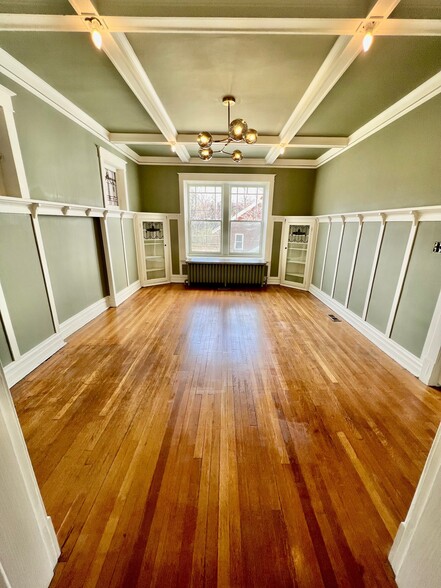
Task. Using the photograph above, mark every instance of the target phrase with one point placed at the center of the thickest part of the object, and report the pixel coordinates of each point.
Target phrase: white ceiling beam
(342, 54)
(263, 141)
(236, 26)
(121, 54)
(227, 162)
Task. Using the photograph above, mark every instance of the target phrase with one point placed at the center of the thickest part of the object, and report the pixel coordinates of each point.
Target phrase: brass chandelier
(238, 132)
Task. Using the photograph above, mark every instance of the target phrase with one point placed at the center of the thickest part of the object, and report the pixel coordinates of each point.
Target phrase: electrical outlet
(437, 247)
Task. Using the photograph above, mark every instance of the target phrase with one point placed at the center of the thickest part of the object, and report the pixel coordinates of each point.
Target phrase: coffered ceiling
(296, 68)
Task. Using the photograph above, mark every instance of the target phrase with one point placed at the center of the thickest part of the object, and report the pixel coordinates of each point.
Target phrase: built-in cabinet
(153, 249)
(298, 241)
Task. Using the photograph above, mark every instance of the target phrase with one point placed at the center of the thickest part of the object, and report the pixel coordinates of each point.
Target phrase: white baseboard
(391, 348)
(176, 279)
(22, 366)
(83, 317)
(273, 281)
(127, 292)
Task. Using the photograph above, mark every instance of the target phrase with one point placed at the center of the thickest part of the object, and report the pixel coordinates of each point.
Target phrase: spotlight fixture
(95, 31)
(368, 36)
(238, 132)
(282, 149)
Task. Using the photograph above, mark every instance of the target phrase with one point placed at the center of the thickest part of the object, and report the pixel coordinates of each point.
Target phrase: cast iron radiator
(226, 273)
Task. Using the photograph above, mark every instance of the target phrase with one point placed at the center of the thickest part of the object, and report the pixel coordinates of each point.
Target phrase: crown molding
(227, 162)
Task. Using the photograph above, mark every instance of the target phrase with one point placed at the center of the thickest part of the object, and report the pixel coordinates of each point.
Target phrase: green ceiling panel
(302, 153)
(391, 69)
(268, 74)
(154, 151)
(33, 7)
(237, 8)
(417, 9)
(70, 63)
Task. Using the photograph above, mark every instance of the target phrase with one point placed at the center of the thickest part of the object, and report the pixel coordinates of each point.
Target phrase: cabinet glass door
(297, 248)
(154, 250)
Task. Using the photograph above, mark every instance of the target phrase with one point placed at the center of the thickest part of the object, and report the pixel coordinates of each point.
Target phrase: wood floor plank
(224, 438)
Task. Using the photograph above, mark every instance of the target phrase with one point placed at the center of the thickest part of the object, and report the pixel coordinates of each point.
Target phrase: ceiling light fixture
(95, 31)
(368, 36)
(173, 147)
(282, 149)
(238, 132)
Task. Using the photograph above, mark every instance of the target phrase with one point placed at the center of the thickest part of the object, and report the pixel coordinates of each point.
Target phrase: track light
(282, 149)
(95, 31)
(173, 147)
(368, 36)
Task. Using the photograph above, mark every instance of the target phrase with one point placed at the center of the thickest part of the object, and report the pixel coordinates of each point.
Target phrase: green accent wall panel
(363, 266)
(331, 257)
(76, 262)
(129, 238)
(5, 352)
(420, 290)
(22, 280)
(345, 262)
(117, 252)
(174, 245)
(293, 188)
(322, 236)
(394, 243)
(397, 167)
(275, 251)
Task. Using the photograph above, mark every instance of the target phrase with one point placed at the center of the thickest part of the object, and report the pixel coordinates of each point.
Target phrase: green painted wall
(5, 352)
(22, 281)
(174, 245)
(394, 243)
(60, 157)
(331, 257)
(322, 236)
(275, 252)
(129, 238)
(76, 262)
(293, 188)
(117, 252)
(397, 167)
(345, 262)
(420, 291)
(363, 267)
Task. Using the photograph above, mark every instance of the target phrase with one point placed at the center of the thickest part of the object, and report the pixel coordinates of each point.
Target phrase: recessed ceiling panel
(392, 68)
(417, 9)
(153, 150)
(302, 153)
(237, 8)
(33, 7)
(70, 64)
(267, 74)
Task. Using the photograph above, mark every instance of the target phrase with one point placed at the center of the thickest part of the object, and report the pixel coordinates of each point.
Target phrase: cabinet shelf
(296, 261)
(295, 275)
(153, 240)
(155, 269)
(154, 257)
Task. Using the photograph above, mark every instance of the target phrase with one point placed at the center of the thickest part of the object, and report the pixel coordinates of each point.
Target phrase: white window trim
(109, 160)
(267, 179)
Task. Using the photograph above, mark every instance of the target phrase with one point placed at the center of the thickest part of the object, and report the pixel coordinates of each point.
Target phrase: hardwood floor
(225, 438)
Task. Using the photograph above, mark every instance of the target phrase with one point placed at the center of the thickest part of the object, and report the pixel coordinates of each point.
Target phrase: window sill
(232, 260)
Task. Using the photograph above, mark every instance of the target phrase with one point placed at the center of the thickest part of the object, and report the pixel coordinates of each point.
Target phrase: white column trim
(108, 258)
(126, 265)
(374, 266)
(325, 255)
(9, 329)
(354, 259)
(337, 260)
(44, 265)
(431, 355)
(402, 275)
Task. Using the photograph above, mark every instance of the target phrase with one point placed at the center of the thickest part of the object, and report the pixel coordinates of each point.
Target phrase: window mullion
(225, 219)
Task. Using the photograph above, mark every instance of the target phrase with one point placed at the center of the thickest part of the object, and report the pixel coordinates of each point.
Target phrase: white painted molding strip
(123, 295)
(395, 351)
(83, 317)
(27, 362)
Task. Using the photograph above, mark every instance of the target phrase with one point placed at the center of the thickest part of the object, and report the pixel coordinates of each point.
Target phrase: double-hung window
(226, 217)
